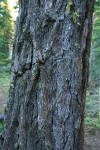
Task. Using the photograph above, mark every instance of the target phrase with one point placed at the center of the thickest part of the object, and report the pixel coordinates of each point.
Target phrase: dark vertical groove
(85, 62)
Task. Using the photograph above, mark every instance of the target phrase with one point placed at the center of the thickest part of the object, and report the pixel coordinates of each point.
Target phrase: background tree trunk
(49, 76)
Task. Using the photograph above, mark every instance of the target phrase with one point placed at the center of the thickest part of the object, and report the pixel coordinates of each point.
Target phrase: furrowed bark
(49, 76)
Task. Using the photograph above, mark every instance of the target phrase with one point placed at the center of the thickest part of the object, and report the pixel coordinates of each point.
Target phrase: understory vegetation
(5, 65)
(1, 126)
(92, 119)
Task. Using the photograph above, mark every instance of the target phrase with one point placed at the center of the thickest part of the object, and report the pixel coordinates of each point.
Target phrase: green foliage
(3, 60)
(6, 34)
(5, 66)
(92, 122)
(6, 31)
(1, 126)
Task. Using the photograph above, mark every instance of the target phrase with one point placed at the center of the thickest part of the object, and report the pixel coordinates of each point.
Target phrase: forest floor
(3, 101)
(92, 140)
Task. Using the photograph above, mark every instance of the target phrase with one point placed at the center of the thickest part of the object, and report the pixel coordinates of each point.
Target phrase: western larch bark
(49, 75)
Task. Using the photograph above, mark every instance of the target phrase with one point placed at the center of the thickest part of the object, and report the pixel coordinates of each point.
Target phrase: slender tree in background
(6, 31)
(95, 54)
(49, 76)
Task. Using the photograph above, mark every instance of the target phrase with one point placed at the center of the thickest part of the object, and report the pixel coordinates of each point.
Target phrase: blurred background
(8, 14)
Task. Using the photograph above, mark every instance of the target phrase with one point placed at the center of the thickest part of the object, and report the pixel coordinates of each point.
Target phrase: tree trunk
(49, 76)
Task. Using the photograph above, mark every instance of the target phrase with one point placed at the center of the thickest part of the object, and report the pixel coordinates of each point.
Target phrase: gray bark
(49, 76)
